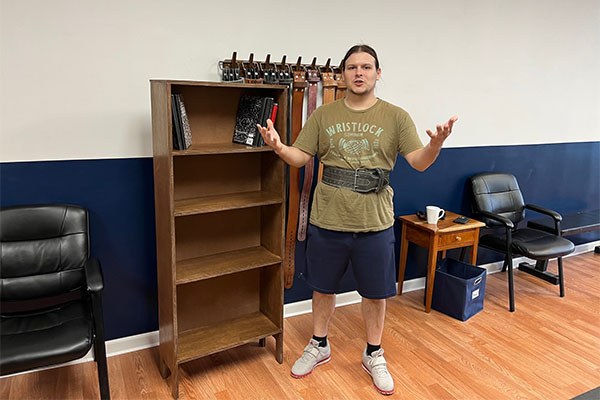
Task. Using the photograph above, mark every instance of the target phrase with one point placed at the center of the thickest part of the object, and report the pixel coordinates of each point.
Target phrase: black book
(178, 141)
(185, 124)
(249, 113)
(266, 114)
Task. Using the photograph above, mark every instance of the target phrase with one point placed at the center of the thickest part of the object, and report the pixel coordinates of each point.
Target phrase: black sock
(322, 340)
(371, 348)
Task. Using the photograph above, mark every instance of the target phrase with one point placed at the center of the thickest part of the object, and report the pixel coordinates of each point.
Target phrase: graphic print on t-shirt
(354, 141)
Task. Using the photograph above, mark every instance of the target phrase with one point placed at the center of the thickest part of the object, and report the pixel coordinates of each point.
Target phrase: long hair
(360, 48)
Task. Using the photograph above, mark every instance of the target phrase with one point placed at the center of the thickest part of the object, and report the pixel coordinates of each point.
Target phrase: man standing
(351, 222)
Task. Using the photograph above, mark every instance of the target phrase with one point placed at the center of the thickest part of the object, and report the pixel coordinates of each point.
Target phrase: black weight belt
(358, 180)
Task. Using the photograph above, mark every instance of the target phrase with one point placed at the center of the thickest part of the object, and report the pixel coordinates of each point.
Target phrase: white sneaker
(312, 357)
(376, 367)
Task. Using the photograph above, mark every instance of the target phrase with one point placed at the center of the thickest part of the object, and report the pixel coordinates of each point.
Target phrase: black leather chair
(50, 290)
(498, 200)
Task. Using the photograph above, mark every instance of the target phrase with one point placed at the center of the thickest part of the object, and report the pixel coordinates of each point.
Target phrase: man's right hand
(291, 155)
(270, 136)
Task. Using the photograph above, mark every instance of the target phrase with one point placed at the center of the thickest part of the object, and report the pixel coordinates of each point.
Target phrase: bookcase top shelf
(219, 84)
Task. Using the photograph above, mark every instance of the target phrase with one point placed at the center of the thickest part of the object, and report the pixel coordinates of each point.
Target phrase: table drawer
(457, 239)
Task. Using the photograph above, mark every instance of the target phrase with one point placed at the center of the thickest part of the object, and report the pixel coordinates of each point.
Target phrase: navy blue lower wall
(119, 195)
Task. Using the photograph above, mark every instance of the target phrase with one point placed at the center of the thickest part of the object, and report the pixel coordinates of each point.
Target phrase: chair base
(539, 271)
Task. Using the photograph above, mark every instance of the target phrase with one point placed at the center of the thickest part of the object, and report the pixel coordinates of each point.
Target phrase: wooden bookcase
(219, 226)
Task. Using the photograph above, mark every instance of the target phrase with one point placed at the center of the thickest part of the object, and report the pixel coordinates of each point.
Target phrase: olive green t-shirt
(346, 138)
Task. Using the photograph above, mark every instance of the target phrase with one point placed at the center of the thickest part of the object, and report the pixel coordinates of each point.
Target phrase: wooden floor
(548, 349)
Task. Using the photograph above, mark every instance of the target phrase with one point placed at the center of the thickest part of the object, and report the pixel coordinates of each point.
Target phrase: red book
(274, 112)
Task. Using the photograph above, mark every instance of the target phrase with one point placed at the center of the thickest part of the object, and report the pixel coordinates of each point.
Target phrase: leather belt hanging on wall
(340, 91)
(313, 81)
(298, 88)
(329, 87)
(329, 93)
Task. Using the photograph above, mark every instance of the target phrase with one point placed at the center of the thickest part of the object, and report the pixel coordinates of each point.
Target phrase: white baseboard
(150, 339)
(131, 343)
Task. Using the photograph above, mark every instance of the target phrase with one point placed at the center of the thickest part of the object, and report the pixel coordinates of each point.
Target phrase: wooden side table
(444, 236)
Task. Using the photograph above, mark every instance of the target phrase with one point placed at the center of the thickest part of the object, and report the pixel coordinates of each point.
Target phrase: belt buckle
(376, 173)
(354, 185)
(380, 179)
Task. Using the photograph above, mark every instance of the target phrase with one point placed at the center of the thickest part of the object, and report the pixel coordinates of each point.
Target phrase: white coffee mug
(434, 214)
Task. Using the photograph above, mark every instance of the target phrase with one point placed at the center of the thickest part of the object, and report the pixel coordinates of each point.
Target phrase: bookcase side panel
(281, 123)
(272, 238)
(271, 293)
(272, 173)
(163, 189)
(271, 226)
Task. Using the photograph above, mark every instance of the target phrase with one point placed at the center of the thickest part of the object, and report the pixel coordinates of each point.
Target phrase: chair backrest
(498, 193)
(44, 249)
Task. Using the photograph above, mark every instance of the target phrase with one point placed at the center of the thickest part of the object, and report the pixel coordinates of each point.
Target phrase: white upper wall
(74, 73)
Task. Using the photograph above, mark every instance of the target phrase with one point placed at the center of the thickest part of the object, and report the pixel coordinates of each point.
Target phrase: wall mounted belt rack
(253, 71)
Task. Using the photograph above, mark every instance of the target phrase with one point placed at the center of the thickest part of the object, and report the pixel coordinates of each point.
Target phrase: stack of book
(182, 134)
(253, 110)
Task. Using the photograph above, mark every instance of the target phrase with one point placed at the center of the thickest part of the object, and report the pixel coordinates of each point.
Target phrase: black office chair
(498, 199)
(50, 290)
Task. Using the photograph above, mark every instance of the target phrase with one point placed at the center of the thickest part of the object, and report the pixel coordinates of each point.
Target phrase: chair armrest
(543, 210)
(95, 284)
(93, 276)
(499, 218)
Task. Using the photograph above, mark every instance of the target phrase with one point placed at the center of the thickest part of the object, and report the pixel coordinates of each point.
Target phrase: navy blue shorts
(370, 255)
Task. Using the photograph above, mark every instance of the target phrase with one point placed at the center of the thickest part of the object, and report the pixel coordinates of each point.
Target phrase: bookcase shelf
(207, 204)
(219, 209)
(219, 337)
(230, 262)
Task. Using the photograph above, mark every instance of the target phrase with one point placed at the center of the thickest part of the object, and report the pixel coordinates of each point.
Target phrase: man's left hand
(442, 132)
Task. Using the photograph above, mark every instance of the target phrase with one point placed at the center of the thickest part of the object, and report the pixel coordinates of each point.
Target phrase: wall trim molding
(150, 339)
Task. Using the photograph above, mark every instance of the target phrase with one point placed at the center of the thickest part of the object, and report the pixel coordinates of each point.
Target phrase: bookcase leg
(164, 369)
(279, 347)
(175, 383)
